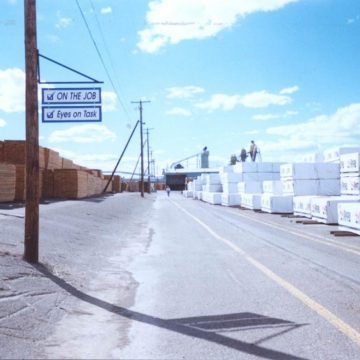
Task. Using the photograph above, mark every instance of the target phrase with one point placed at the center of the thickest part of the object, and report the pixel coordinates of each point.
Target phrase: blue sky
(284, 73)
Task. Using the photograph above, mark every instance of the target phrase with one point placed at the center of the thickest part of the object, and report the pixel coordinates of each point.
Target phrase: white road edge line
(339, 324)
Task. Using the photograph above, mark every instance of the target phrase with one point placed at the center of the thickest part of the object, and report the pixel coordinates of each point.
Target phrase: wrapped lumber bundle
(14, 153)
(7, 182)
(1, 151)
(70, 184)
(67, 164)
(52, 159)
(123, 186)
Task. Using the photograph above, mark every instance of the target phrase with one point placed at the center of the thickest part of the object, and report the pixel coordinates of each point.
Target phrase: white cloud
(184, 91)
(290, 113)
(172, 21)
(62, 21)
(178, 111)
(53, 38)
(109, 99)
(12, 90)
(265, 117)
(259, 99)
(289, 90)
(324, 131)
(263, 98)
(106, 10)
(220, 101)
(353, 20)
(2, 123)
(89, 133)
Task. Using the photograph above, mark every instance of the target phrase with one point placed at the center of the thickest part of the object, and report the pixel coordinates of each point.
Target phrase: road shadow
(203, 327)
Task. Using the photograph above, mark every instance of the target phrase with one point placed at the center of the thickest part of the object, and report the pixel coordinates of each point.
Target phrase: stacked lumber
(94, 184)
(20, 184)
(70, 184)
(67, 164)
(52, 159)
(14, 153)
(47, 189)
(103, 184)
(7, 182)
(1, 151)
(133, 186)
(116, 184)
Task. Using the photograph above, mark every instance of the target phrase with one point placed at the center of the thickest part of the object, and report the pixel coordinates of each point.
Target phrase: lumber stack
(14, 153)
(52, 159)
(115, 185)
(7, 182)
(70, 184)
(20, 184)
(1, 151)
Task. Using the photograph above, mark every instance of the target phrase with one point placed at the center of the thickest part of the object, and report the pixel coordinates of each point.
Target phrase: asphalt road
(172, 278)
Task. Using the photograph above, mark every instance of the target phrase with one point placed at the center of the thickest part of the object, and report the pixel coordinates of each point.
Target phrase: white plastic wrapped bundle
(272, 187)
(212, 179)
(312, 187)
(230, 199)
(277, 203)
(251, 201)
(250, 187)
(333, 155)
(349, 215)
(313, 157)
(245, 167)
(231, 177)
(349, 163)
(230, 188)
(212, 198)
(212, 188)
(324, 209)
(302, 205)
(307, 171)
(350, 185)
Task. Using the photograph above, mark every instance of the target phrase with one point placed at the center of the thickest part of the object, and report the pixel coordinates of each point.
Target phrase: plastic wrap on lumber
(7, 182)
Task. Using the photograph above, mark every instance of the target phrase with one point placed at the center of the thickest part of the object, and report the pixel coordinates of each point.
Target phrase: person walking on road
(168, 190)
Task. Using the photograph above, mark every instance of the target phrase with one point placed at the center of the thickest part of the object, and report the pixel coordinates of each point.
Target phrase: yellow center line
(332, 243)
(339, 324)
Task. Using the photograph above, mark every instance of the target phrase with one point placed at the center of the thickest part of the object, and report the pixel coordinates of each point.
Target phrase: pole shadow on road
(202, 327)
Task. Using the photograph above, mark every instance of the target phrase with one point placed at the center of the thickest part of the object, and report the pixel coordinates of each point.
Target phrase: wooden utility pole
(148, 158)
(141, 145)
(31, 241)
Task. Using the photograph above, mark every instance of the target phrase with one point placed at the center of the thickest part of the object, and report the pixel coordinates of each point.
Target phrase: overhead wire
(101, 58)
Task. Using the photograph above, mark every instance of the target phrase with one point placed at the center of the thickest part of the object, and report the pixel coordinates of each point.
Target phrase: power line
(109, 56)
(100, 57)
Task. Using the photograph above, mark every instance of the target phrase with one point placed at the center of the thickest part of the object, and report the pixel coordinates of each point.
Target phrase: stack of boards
(58, 178)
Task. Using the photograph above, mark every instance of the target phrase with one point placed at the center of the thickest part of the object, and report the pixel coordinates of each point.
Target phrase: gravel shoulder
(86, 247)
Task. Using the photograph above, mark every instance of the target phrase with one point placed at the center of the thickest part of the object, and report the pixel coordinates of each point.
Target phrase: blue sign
(57, 114)
(71, 96)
